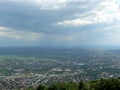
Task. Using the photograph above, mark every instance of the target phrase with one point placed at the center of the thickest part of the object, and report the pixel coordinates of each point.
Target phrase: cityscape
(57, 65)
(59, 44)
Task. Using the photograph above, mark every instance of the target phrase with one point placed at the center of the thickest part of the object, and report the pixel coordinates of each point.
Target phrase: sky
(59, 22)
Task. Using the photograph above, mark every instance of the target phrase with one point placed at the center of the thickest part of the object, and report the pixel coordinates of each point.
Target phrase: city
(58, 65)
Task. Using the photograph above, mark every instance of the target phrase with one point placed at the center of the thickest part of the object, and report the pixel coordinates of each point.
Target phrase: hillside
(102, 84)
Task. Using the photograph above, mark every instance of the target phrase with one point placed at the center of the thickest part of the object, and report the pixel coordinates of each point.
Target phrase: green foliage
(107, 84)
(63, 86)
(41, 87)
(102, 84)
(82, 86)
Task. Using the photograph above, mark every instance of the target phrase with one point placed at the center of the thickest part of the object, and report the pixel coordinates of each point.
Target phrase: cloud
(19, 35)
(76, 22)
(13, 34)
(106, 12)
(55, 4)
(52, 4)
(44, 4)
(60, 22)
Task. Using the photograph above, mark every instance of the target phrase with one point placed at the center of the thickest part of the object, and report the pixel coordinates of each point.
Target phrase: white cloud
(19, 35)
(44, 4)
(32, 36)
(107, 11)
(53, 4)
(4, 28)
(50, 4)
(75, 22)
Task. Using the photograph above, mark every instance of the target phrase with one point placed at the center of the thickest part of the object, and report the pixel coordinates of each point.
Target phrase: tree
(82, 86)
(41, 87)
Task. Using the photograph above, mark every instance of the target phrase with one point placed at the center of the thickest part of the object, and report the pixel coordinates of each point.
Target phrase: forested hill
(102, 84)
